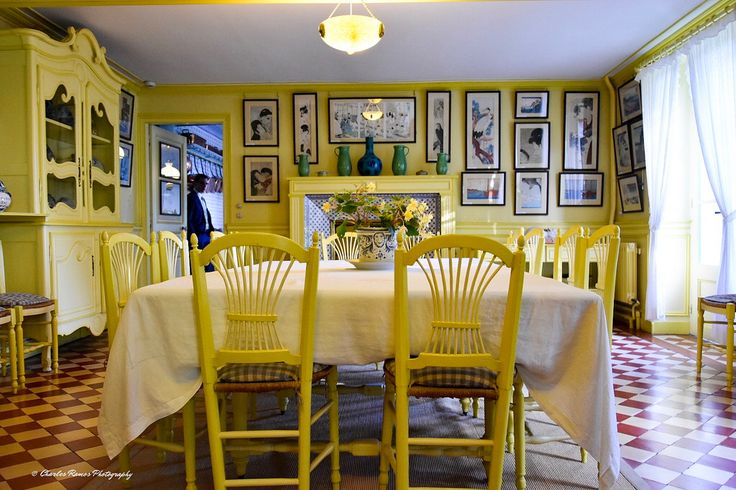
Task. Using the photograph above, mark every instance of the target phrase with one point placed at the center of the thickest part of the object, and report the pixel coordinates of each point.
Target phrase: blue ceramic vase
(369, 164)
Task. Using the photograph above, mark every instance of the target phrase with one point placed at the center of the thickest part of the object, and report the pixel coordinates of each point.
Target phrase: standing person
(199, 220)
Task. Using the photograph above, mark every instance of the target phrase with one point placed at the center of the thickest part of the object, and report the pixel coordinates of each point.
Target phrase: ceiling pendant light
(170, 171)
(351, 33)
(372, 111)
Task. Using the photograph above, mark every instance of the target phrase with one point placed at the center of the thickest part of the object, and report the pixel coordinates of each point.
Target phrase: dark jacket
(196, 221)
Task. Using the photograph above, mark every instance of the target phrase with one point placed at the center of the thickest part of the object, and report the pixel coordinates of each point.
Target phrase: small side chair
(720, 304)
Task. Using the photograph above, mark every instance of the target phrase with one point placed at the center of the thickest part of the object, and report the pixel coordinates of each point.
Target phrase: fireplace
(307, 194)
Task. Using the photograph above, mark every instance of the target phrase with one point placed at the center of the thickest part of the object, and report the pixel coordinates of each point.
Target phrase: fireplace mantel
(443, 185)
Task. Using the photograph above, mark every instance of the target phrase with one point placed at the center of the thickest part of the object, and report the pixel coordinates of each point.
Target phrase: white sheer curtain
(712, 67)
(659, 90)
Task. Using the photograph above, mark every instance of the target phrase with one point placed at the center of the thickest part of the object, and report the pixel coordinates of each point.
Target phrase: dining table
(563, 350)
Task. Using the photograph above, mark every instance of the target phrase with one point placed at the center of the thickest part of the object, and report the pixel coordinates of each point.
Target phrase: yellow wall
(190, 104)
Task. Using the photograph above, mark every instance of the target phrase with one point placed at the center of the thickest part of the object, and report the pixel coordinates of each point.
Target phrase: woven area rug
(549, 466)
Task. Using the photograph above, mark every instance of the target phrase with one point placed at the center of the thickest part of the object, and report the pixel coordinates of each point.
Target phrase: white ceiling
(263, 43)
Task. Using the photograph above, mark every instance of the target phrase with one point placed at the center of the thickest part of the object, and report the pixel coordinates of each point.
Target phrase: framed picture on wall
(396, 123)
(532, 193)
(127, 100)
(305, 127)
(483, 189)
(629, 100)
(531, 145)
(261, 122)
(438, 124)
(580, 148)
(170, 198)
(629, 188)
(483, 130)
(261, 178)
(622, 149)
(126, 163)
(637, 144)
(580, 189)
(532, 104)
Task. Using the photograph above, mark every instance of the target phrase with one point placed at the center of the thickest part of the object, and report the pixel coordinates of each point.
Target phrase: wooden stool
(720, 304)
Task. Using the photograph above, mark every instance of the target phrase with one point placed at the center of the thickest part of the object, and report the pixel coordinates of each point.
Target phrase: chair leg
(476, 407)
(124, 463)
(699, 354)
(730, 313)
(190, 436)
(283, 399)
(465, 405)
(217, 456)
(55, 339)
(21, 347)
(13, 354)
(304, 408)
(519, 434)
(334, 428)
(510, 431)
(241, 412)
(387, 431)
(402, 437)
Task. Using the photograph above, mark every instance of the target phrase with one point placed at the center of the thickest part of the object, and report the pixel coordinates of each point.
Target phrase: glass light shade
(170, 171)
(351, 33)
(372, 111)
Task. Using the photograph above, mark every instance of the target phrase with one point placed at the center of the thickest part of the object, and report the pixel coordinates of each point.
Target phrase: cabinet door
(103, 159)
(61, 147)
(74, 280)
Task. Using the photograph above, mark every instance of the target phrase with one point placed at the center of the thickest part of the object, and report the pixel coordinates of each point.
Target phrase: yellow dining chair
(565, 249)
(42, 329)
(251, 357)
(173, 252)
(719, 304)
(455, 362)
(533, 247)
(127, 260)
(8, 346)
(342, 248)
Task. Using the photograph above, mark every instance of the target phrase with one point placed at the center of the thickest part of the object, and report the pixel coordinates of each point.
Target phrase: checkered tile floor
(677, 431)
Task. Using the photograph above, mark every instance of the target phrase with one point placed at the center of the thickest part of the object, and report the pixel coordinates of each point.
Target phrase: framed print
(532, 104)
(396, 124)
(126, 162)
(482, 130)
(636, 131)
(580, 189)
(580, 146)
(532, 193)
(622, 149)
(483, 189)
(629, 100)
(261, 122)
(531, 145)
(169, 158)
(438, 124)
(305, 127)
(629, 188)
(261, 178)
(170, 198)
(126, 114)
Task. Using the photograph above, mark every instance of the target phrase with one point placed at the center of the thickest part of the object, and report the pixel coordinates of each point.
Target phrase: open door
(168, 180)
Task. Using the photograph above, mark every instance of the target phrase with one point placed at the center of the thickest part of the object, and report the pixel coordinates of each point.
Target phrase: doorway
(201, 153)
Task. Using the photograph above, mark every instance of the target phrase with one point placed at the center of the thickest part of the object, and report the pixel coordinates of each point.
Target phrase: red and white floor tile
(677, 431)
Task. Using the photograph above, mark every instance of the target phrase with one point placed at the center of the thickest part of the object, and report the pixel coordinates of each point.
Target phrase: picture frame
(483, 189)
(260, 122)
(438, 124)
(127, 103)
(531, 145)
(483, 130)
(126, 163)
(580, 189)
(347, 124)
(169, 198)
(580, 148)
(629, 100)
(169, 154)
(306, 136)
(532, 104)
(261, 178)
(629, 188)
(531, 196)
(622, 149)
(636, 133)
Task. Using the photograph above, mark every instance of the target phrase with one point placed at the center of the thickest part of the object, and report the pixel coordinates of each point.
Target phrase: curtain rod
(684, 37)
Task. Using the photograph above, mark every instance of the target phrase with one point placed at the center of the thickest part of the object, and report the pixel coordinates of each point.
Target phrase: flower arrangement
(361, 208)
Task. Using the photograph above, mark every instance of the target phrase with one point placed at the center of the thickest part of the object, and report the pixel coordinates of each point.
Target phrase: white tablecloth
(562, 352)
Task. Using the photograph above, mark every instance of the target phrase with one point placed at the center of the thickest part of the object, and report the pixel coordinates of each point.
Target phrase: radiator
(627, 299)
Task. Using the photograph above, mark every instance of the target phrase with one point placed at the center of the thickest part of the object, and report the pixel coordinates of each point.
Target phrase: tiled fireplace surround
(307, 194)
